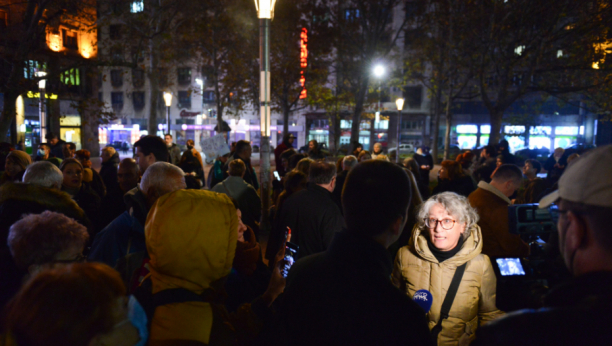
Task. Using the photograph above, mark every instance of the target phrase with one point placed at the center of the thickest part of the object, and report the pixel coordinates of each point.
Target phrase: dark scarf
(442, 256)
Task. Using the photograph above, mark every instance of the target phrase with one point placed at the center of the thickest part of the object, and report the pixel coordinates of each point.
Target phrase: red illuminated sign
(303, 60)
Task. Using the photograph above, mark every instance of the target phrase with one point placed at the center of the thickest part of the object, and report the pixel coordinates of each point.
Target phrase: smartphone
(276, 175)
(290, 256)
(510, 266)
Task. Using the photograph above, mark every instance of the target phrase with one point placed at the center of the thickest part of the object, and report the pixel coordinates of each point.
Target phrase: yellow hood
(191, 239)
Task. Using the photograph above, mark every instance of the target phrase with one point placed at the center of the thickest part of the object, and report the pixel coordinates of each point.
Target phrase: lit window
(519, 50)
(71, 77)
(31, 66)
(514, 130)
(137, 6)
(485, 129)
(559, 53)
(467, 129)
(69, 39)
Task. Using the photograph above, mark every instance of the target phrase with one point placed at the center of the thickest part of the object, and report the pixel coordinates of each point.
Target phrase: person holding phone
(447, 240)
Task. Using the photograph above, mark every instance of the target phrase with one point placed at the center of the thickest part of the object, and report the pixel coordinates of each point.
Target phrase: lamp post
(265, 12)
(400, 105)
(42, 118)
(168, 101)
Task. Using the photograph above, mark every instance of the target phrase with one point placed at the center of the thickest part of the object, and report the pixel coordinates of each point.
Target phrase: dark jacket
(57, 150)
(344, 297)
(531, 191)
(125, 234)
(424, 160)
(577, 313)
(462, 186)
(555, 169)
(89, 201)
(484, 171)
(108, 172)
(313, 218)
(248, 200)
(277, 157)
(112, 205)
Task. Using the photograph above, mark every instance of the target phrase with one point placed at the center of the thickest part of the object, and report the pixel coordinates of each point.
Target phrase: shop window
(116, 78)
(115, 32)
(138, 98)
(117, 101)
(138, 78)
(117, 54)
(69, 39)
(184, 99)
(31, 67)
(184, 75)
(351, 15)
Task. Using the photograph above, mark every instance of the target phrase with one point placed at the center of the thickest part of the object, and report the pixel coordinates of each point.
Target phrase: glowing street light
(400, 105)
(379, 71)
(42, 118)
(168, 101)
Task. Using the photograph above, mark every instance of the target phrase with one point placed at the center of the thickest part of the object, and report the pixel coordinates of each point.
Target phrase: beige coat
(416, 268)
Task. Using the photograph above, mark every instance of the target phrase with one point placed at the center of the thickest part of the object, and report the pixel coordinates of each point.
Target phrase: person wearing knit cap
(16, 163)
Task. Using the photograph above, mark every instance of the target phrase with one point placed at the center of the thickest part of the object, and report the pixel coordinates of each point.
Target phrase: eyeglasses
(446, 223)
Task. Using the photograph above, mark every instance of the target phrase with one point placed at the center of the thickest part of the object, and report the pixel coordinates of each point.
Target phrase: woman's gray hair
(44, 174)
(454, 204)
(163, 177)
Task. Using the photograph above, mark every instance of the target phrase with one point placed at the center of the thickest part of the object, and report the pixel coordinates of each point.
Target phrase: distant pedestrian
(173, 150)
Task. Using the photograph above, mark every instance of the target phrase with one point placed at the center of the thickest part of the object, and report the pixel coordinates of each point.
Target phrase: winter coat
(108, 172)
(191, 239)
(462, 186)
(424, 160)
(250, 176)
(89, 201)
(416, 268)
(248, 200)
(531, 191)
(492, 207)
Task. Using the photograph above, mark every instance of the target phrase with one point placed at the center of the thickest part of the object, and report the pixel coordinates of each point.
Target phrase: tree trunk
(286, 112)
(153, 75)
(449, 122)
(436, 129)
(359, 101)
(496, 124)
(334, 133)
(8, 115)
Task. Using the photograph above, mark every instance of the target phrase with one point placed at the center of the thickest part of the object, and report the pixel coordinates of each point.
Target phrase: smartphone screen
(290, 255)
(510, 266)
(276, 175)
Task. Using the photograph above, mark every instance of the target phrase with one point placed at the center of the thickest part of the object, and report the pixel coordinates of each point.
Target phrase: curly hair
(454, 204)
(38, 238)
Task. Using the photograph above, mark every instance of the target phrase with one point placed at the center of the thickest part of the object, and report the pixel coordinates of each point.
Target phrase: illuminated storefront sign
(303, 61)
(37, 95)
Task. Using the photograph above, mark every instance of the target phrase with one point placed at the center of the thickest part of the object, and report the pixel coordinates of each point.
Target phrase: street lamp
(400, 105)
(265, 12)
(168, 101)
(41, 111)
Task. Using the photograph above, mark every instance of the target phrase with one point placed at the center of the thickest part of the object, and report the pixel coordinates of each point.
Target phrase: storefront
(119, 136)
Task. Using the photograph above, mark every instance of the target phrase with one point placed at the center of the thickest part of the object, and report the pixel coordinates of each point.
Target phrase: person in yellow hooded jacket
(191, 238)
(445, 238)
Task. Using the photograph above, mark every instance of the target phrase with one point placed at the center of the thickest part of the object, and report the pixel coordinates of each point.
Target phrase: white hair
(163, 177)
(455, 205)
(348, 162)
(45, 174)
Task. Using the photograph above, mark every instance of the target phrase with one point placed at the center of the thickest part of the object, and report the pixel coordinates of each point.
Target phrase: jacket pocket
(470, 332)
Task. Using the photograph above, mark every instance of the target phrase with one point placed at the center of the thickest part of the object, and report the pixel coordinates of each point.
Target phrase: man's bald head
(128, 174)
(161, 178)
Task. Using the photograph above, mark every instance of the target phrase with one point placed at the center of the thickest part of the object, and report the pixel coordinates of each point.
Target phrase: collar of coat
(488, 187)
(47, 197)
(472, 246)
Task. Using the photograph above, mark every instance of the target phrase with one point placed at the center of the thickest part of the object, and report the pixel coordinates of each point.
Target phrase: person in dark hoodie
(287, 143)
(451, 178)
(108, 171)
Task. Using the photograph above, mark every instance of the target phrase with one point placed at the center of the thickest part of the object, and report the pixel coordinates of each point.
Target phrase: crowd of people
(147, 251)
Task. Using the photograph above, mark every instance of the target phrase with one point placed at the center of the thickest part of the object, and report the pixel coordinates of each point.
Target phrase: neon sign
(303, 61)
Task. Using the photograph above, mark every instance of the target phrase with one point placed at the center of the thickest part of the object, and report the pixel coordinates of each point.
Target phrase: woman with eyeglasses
(446, 243)
(39, 240)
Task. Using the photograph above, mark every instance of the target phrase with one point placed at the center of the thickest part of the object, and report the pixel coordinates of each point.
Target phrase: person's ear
(151, 158)
(576, 231)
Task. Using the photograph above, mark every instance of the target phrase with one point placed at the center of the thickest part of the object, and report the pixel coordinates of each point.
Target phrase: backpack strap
(448, 301)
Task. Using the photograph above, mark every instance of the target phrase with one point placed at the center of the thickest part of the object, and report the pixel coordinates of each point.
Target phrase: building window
(117, 100)
(209, 96)
(137, 54)
(351, 15)
(117, 78)
(31, 67)
(71, 77)
(138, 98)
(137, 6)
(115, 32)
(413, 96)
(184, 99)
(138, 78)
(117, 54)
(184, 75)
(70, 39)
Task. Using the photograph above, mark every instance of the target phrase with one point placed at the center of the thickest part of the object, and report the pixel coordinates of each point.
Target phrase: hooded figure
(192, 251)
